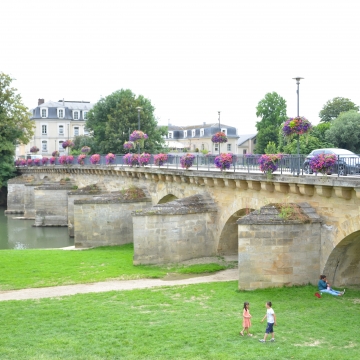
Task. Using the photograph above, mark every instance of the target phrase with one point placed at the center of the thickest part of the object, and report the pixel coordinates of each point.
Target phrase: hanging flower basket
(22, 162)
(37, 162)
(322, 163)
(128, 145)
(45, 160)
(224, 161)
(52, 160)
(160, 159)
(131, 159)
(34, 149)
(138, 137)
(85, 149)
(29, 162)
(219, 137)
(81, 159)
(269, 163)
(110, 158)
(187, 161)
(62, 160)
(144, 159)
(95, 159)
(69, 159)
(55, 153)
(67, 143)
(296, 126)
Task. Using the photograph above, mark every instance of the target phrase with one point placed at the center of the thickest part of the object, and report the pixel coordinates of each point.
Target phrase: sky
(190, 58)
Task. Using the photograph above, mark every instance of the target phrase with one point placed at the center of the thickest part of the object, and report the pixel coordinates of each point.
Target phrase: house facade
(246, 144)
(198, 137)
(54, 123)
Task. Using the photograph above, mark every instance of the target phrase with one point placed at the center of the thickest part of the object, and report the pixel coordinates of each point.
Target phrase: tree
(345, 131)
(333, 108)
(264, 136)
(272, 110)
(112, 119)
(15, 126)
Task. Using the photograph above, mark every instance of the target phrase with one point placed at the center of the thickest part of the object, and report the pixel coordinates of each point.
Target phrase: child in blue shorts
(271, 322)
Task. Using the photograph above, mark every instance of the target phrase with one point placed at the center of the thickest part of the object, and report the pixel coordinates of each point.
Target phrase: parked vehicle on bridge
(347, 162)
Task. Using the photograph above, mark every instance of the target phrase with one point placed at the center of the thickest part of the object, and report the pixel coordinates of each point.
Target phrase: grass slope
(185, 322)
(21, 269)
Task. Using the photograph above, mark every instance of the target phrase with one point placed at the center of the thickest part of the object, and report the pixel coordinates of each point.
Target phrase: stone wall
(278, 252)
(176, 231)
(77, 195)
(15, 198)
(51, 205)
(105, 220)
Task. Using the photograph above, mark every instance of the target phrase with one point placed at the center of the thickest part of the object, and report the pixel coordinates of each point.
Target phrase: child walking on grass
(246, 319)
(271, 322)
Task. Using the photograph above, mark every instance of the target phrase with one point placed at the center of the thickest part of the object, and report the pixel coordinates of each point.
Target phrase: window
(193, 132)
(202, 131)
(228, 147)
(61, 129)
(244, 151)
(76, 131)
(85, 115)
(216, 146)
(44, 112)
(61, 149)
(76, 114)
(170, 135)
(224, 131)
(202, 147)
(44, 146)
(60, 113)
(43, 129)
(185, 133)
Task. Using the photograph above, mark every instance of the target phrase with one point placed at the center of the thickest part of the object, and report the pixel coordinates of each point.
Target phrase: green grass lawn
(21, 269)
(184, 322)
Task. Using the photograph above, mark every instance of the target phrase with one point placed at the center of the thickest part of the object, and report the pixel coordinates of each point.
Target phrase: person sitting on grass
(324, 287)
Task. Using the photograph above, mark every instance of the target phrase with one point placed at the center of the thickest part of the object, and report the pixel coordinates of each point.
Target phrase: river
(20, 234)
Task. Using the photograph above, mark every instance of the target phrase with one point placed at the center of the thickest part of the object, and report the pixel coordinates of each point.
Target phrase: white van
(33, 156)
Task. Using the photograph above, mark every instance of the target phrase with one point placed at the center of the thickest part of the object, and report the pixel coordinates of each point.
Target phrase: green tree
(15, 126)
(264, 136)
(272, 111)
(83, 140)
(271, 148)
(333, 108)
(307, 144)
(345, 131)
(112, 119)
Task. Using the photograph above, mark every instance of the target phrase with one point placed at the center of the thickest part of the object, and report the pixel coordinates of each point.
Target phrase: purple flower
(144, 159)
(296, 126)
(81, 159)
(187, 160)
(159, 159)
(67, 143)
(219, 137)
(95, 158)
(224, 161)
(269, 162)
(110, 158)
(34, 149)
(322, 163)
(85, 149)
(131, 159)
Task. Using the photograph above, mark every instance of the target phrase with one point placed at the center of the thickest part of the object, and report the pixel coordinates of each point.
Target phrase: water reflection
(20, 234)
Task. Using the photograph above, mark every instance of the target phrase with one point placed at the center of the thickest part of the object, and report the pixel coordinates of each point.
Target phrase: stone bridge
(186, 214)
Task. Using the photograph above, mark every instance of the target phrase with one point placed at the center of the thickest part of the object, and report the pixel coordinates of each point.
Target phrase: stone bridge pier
(189, 214)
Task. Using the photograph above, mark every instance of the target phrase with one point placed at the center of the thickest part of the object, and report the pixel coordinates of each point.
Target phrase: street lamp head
(139, 108)
(298, 79)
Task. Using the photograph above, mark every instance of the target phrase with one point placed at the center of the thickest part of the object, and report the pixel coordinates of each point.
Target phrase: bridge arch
(228, 241)
(342, 266)
(167, 198)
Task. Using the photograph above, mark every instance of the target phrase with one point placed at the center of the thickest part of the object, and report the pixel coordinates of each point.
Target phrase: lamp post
(219, 129)
(139, 109)
(298, 137)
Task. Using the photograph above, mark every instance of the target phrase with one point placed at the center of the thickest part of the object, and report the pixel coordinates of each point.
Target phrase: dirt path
(119, 285)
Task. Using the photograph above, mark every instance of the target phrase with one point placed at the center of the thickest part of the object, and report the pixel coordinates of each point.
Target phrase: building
(56, 122)
(246, 144)
(198, 137)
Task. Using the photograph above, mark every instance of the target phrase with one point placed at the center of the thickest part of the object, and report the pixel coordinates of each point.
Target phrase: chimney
(40, 101)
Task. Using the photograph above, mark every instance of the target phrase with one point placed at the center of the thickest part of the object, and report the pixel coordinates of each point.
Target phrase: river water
(20, 234)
